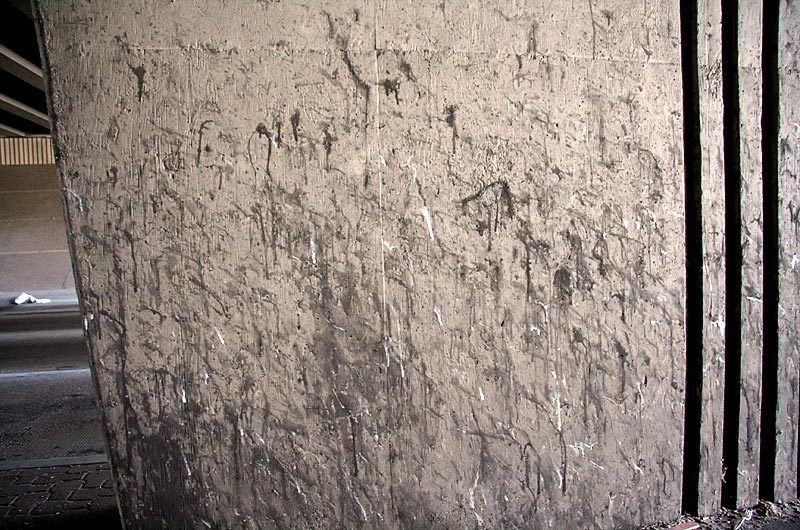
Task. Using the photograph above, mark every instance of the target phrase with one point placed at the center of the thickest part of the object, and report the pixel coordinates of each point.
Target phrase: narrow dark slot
(769, 167)
(694, 258)
(733, 252)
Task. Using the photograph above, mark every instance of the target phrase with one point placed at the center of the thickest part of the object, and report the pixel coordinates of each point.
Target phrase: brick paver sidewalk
(78, 496)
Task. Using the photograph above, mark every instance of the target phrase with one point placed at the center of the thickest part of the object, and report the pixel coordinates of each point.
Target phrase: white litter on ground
(25, 298)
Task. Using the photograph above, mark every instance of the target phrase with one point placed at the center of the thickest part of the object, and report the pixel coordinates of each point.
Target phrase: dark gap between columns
(731, 122)
(770, 112)
(694, 258)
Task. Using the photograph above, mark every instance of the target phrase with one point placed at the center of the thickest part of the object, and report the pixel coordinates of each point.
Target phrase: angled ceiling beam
(23, 111)
(19, 67)
(7, 130)
(24, 6)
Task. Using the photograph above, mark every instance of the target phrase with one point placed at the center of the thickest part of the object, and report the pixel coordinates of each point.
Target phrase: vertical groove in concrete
(714, 295)
(693, 405)
(788, 259)
(752, 299)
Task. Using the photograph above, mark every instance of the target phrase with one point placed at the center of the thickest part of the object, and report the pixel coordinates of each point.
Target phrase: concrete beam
(23, 111)
(24, 6)
(21, 68)
(6, 130)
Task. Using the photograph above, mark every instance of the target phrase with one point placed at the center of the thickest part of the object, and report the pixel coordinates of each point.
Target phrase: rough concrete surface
(709, 60)
(789, 253)
(752, 336)
(370, 264)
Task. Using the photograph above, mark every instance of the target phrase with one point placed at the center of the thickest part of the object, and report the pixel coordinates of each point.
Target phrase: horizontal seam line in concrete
(30, 252)
(433, 51)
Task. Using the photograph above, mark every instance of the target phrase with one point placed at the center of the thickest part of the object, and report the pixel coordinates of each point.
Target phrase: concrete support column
(379, 264)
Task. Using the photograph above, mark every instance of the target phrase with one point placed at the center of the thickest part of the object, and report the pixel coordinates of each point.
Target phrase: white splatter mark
(560, 479)
(79, 199)
(534, 329)
(183, 395)
(557, 408)
(595, 464)
(383, 160)
(625, 223)
(480, 393)
(652, 215)
(546, 309)
(241, 432)
(363, 511)
(312, 246)
(297, 487)
(472, 497)
(582, 447)
(402, 369)
(719, 323)
(86, 324)
(754, 299)
(205, 376)
(795, 261)
(641, 395)
(219, 336)
(637, 468)
(389, 245)
(186, 463)
(426, 213)
(653, 323)
(438, 314)
(386, 350)
(408, 164)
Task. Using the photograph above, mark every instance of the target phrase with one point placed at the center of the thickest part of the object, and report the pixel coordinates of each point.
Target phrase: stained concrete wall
(416, 265)
(33, 244)
(786, 482)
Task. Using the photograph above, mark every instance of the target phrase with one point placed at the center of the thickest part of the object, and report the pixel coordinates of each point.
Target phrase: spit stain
(583, 447)
(426, 213)
(438, 314)
(80, 201)
(719, 323)
(412, 167)
(312, 246)
(557, 409)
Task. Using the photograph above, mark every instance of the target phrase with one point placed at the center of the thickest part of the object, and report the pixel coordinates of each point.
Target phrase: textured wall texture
(395, 264)
(33, 244)
(786, 481)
